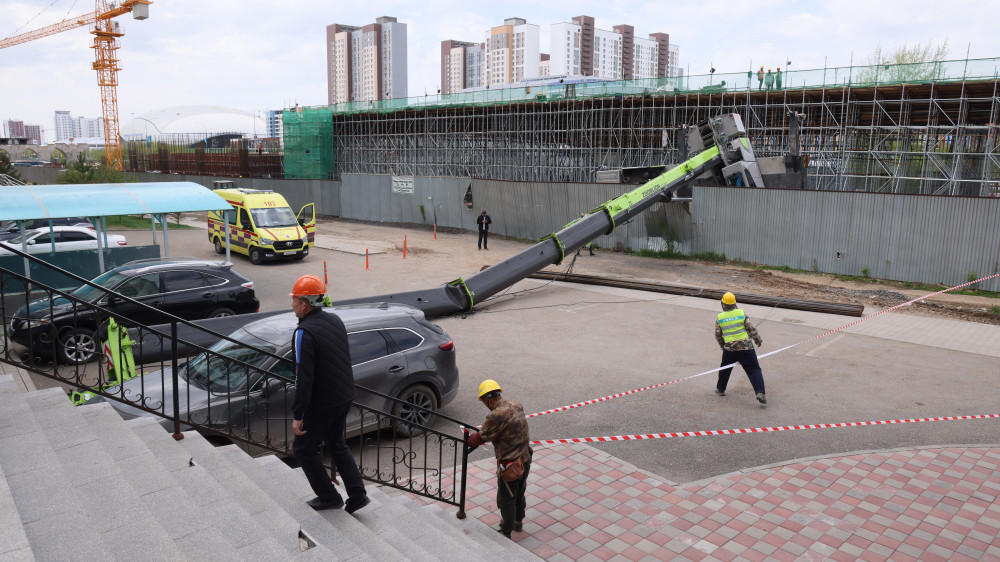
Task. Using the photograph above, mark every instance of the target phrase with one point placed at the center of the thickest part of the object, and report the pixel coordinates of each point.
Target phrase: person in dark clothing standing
(484, 221)
(734, 331)
(324, 390)
(507, 428)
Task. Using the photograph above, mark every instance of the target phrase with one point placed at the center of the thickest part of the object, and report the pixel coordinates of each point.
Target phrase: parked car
(10, 229)
(394, 350)
(66, 238)
(186, 287)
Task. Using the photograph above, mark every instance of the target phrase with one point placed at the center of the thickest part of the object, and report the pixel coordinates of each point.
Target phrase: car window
(367, 346)
(45, 238)
(274, 217)
(214, 281)
(245, 219)
(75, 237)
(141, 285)
(232, 216)
(182, 280)
(405, 339)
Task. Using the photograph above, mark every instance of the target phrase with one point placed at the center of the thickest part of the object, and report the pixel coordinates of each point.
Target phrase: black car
(10, 229)
(394, 350)
(186, 287)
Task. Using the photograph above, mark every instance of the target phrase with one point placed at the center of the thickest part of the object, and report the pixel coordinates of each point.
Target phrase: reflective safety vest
(732, 325)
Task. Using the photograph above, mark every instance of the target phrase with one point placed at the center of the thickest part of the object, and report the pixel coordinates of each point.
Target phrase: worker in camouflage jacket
(734, 333)
(506, 427)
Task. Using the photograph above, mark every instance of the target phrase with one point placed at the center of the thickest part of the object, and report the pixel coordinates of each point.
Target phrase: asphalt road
(551, 345)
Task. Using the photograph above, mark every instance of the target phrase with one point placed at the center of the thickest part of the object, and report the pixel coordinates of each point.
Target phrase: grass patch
(670, 255)
(136, 222)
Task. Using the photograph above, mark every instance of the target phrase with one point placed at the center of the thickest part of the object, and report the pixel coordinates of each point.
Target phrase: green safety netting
(308, 135)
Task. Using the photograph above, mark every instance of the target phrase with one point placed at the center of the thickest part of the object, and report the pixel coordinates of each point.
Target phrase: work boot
(591, 251)
(320, 505)
(761, 398)
(354, 504)
(518, 526)
(720, 392)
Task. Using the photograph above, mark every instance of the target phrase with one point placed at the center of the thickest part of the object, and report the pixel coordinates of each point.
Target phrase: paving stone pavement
(930, 503)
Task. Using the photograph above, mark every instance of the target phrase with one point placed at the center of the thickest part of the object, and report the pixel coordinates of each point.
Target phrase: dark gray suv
(394, 351)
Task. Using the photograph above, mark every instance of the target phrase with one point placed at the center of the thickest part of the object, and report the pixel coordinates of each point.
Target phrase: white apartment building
(673, 60)
(644, 58)
(366, 63)
(89, 127)
(64, 126)
(564, 49)
(512, 52)
(461, 65)
(607, 54)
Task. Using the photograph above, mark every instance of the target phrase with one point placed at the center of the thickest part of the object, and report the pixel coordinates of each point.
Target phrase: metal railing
(238, 389)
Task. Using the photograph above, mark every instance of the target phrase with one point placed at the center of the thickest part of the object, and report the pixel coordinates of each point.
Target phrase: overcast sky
(255, 55)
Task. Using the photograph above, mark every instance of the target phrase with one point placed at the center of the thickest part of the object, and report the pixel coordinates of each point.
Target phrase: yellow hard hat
(728, 299)
(488, 386)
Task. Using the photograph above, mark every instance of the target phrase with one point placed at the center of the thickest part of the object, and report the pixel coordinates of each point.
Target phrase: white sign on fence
(402, 185)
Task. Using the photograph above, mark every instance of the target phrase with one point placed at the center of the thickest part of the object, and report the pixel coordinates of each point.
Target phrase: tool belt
(510, 471)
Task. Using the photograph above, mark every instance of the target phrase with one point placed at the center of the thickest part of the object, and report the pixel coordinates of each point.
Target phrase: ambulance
(262, 225)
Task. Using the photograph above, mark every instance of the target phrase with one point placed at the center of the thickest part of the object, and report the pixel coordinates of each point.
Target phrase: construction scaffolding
(925, 128)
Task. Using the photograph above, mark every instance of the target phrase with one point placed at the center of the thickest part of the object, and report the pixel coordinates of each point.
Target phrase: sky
(254, 56)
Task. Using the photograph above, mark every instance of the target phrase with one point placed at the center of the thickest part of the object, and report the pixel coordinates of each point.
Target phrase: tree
(6, 167)
(919, 63)
(82, 171)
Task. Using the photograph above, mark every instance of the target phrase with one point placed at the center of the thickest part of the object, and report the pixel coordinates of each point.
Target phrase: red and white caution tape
(639, 437)
(717, 369)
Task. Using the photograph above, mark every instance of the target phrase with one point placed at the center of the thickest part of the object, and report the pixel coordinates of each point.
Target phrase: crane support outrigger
(720, 154)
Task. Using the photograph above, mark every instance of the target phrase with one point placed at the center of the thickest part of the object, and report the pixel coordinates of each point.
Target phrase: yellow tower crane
(106, 32)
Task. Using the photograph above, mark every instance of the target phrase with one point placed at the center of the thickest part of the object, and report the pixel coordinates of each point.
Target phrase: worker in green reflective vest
(733, 332)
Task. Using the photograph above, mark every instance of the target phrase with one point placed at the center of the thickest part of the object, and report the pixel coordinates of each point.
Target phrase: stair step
(509, 550)
(428, 532)
(45, 503)
(14, 543)
(243, 492)
(117, 512)
(298, 487)
(286, 489)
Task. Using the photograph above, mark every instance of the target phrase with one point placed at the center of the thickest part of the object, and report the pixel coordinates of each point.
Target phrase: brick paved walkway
(933, 503)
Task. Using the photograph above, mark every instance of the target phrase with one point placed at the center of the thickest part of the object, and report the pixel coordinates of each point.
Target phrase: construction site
(927, 128)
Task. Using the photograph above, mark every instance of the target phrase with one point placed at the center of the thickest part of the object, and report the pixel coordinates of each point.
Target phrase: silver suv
(394, 350)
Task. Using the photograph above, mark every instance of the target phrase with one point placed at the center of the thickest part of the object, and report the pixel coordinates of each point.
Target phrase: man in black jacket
(324, 390)
(484, 221)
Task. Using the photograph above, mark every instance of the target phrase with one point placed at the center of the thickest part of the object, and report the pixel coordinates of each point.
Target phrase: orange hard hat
(308, 285)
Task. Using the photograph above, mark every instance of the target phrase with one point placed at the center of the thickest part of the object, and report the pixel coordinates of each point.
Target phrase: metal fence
(239, 391)
(918, 238)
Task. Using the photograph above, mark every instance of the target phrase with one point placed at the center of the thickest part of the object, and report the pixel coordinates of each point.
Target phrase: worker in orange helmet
(324, 391)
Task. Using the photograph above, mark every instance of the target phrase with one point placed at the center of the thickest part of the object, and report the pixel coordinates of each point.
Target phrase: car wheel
(417, 395)
(219, 248)
(221, 312)
(255, 256)
(78, 346)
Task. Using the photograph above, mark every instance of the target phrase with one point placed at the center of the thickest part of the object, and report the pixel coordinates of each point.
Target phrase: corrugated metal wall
(914, 238)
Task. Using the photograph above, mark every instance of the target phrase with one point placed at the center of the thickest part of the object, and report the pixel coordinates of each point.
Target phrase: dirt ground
(739, 279)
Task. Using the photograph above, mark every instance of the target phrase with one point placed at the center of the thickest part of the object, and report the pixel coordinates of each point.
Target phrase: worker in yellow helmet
(734, 331)
(507, 428)
(768, 80)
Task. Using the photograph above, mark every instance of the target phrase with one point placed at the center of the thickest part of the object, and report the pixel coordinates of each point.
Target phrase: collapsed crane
(719, 154)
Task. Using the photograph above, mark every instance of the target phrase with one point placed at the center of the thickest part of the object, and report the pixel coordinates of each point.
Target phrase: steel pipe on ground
(779, 302)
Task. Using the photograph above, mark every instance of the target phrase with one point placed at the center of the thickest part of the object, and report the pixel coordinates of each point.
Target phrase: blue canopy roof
(22, 202)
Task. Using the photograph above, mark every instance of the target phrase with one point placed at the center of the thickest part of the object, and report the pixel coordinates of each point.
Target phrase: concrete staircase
(80, 483)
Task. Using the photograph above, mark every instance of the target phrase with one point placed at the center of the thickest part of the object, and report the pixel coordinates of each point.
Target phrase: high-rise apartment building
(461, 65)
(34, 134)
(13, 129)
(69, 127)
(580, 49)
(275, 126)
(512, 52)
(64, 126)
(366, 63)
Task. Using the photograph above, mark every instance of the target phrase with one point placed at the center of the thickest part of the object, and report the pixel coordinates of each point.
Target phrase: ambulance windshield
(272, 218)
